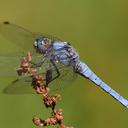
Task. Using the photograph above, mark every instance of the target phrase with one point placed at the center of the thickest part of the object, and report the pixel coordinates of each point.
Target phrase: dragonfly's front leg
(35, 65)
(49, 77)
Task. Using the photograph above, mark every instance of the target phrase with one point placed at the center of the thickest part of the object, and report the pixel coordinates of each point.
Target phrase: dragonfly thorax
(65, 53)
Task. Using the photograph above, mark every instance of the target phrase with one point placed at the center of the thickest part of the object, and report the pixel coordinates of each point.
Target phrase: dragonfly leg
(35, 65)
(49, 77)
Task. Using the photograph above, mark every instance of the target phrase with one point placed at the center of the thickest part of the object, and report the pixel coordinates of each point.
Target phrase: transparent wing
(8, 66)
(19, 36)
(21, 41)
(66, 78)
(22, 85)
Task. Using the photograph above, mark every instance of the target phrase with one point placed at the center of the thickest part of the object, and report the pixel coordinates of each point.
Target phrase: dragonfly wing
(66, 78)
(20, 86)
(21, 41)
(67, 75)
(8, 66)
(19, 36)
(85, 71)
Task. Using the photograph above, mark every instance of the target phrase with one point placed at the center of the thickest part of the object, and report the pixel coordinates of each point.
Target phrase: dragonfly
(56, 58)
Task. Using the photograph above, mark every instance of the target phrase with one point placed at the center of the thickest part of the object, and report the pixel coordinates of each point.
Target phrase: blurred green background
(99, 31)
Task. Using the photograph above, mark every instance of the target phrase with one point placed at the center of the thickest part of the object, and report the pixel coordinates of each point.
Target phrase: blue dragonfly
(54, 58)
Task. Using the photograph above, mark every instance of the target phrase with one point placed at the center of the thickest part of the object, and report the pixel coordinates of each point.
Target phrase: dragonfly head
(41, 44)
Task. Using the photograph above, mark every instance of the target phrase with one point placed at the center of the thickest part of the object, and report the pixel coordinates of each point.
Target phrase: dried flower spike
(38, 82)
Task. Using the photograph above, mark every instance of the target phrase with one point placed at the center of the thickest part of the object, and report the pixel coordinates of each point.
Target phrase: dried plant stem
(38, 82)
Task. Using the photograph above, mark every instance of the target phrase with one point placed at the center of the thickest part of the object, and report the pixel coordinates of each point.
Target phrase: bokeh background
(99, 31)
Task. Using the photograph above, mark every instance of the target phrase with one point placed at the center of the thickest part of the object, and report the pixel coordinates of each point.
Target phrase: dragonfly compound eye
(35, 44)
(46, 41)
